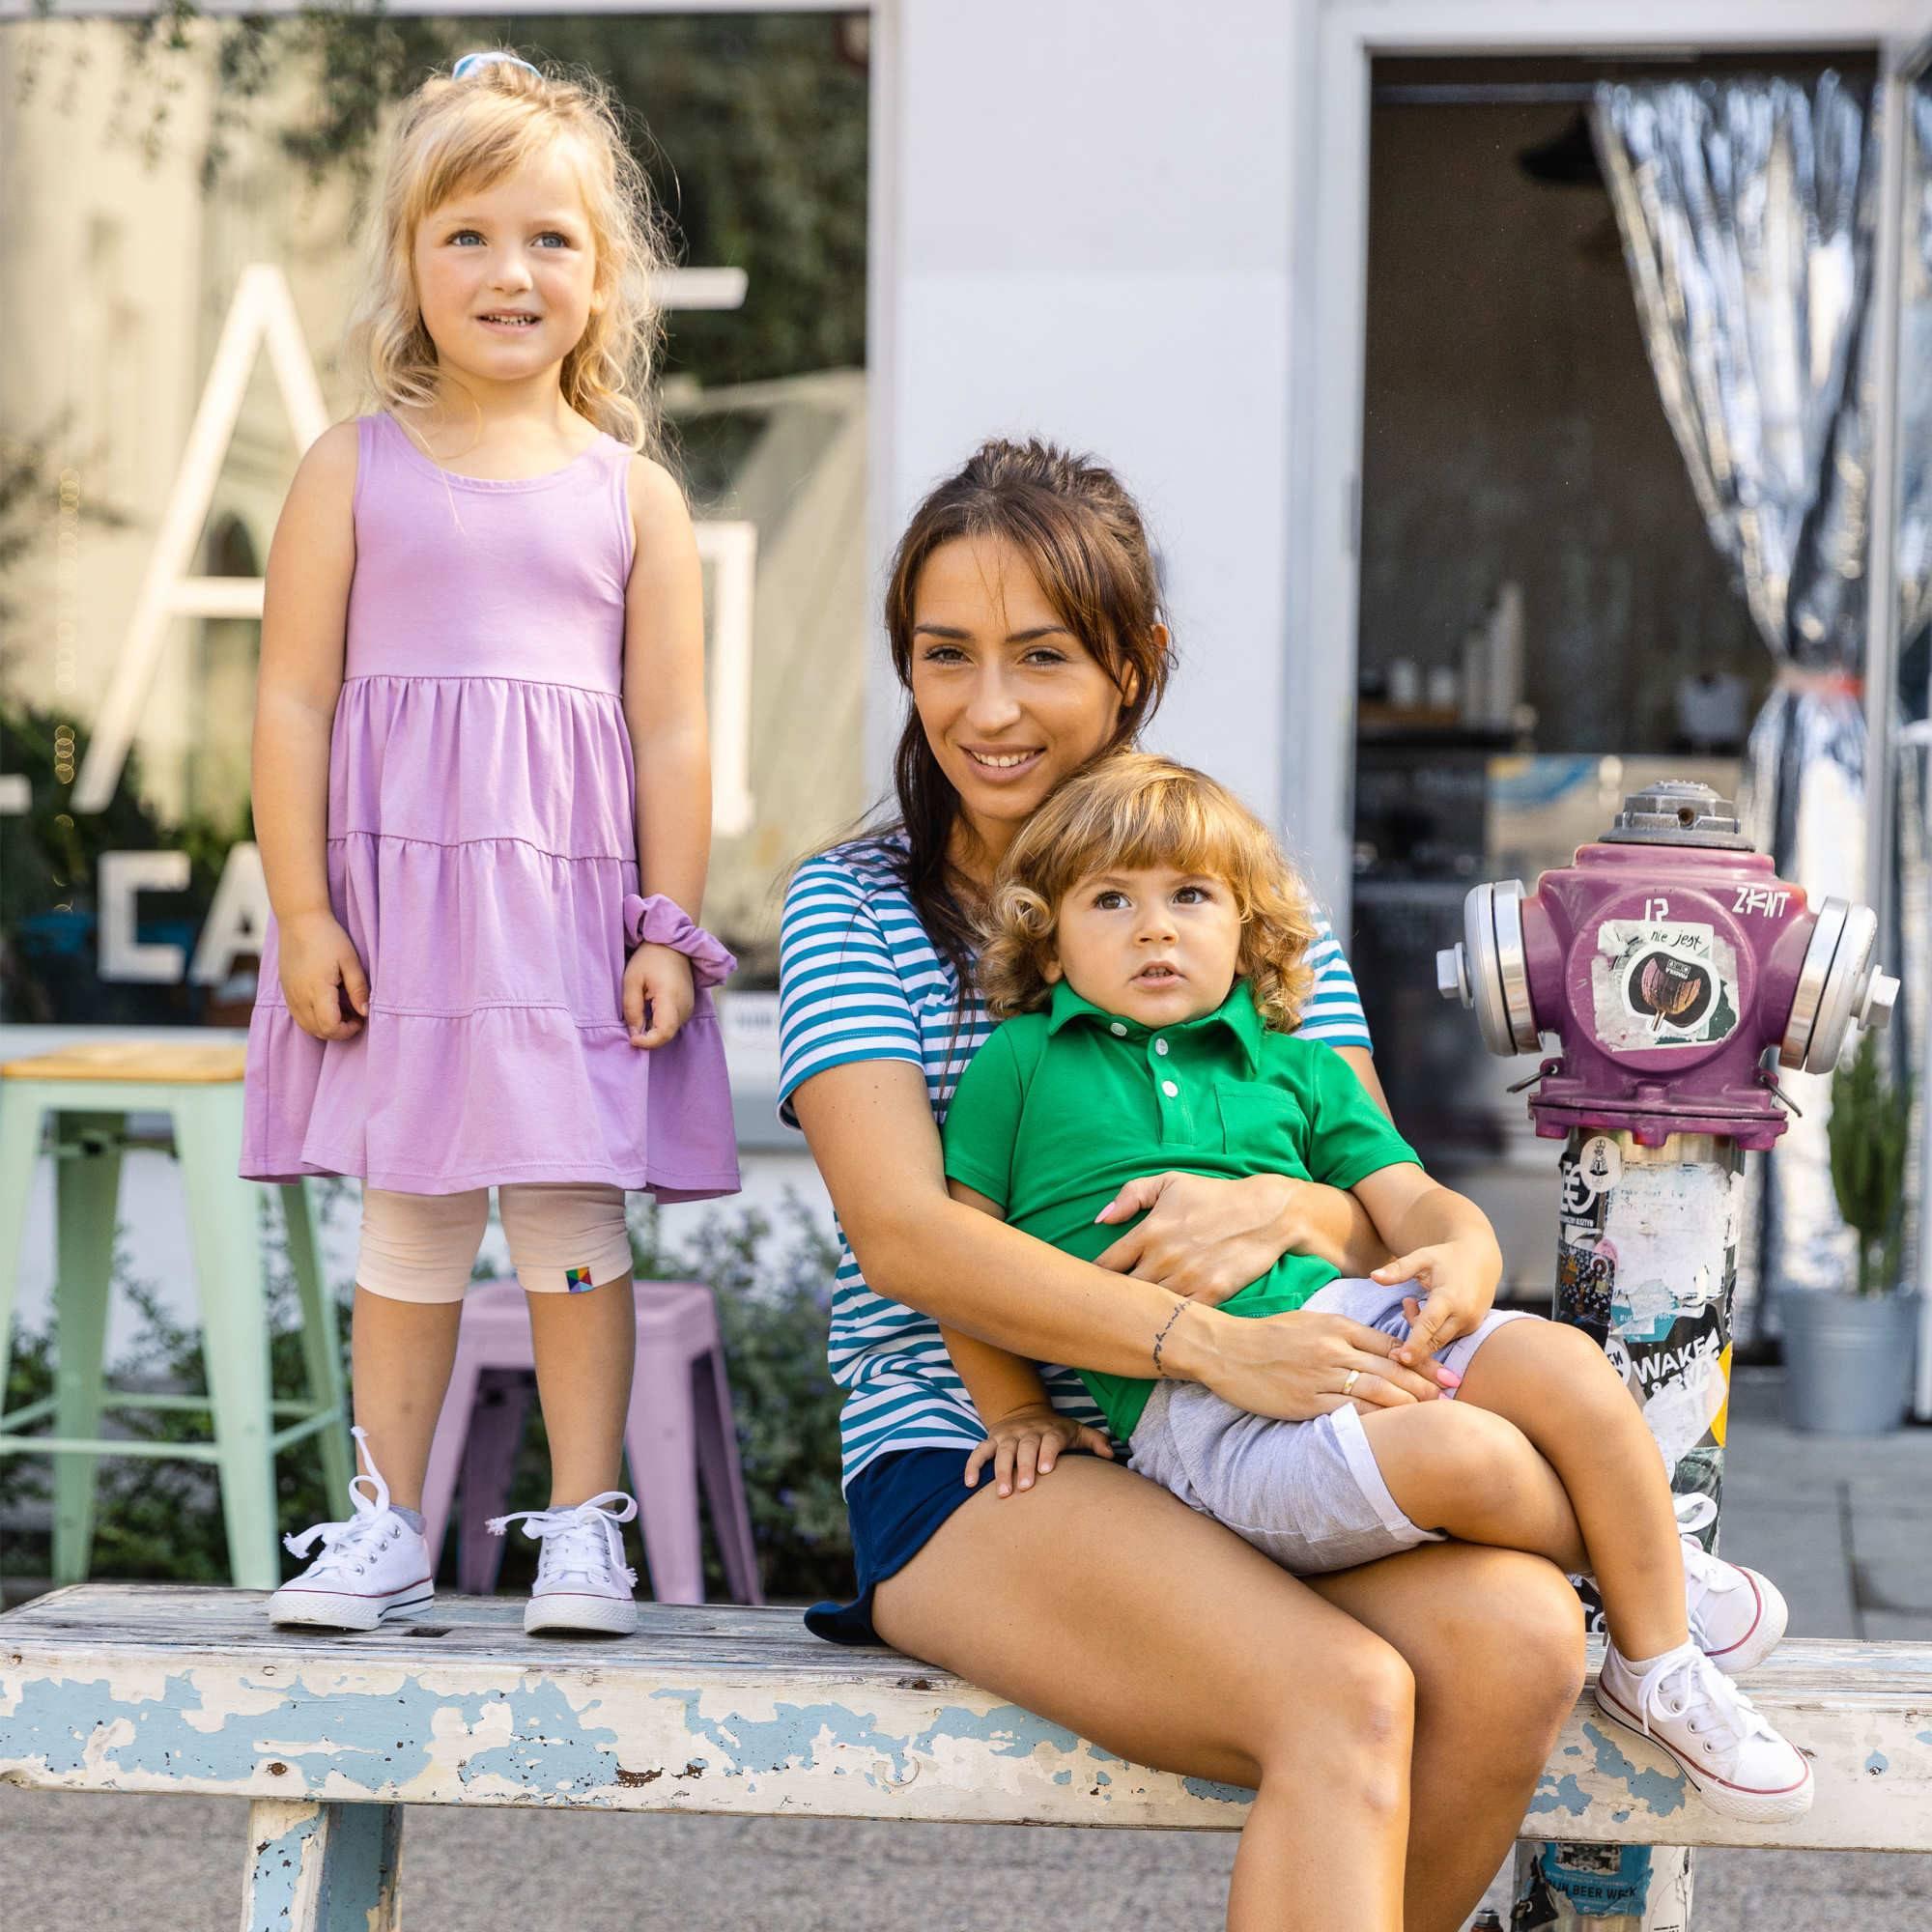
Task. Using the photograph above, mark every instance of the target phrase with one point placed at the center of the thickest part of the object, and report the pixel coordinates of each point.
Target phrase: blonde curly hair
(469, 133)
(1123, 813)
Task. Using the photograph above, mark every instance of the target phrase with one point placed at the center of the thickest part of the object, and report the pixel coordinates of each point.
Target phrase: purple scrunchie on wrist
(661, 922)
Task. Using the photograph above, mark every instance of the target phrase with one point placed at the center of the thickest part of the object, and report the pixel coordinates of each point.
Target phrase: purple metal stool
(679, 1430)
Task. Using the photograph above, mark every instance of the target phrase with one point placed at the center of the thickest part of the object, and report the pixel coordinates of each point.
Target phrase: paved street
(1846, 1527)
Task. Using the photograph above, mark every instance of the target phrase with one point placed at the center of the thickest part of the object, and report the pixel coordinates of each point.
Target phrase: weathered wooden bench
(134, 1689)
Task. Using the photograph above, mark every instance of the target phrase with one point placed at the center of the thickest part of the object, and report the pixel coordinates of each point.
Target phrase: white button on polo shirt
(1160, 1046)
(1118, 1029)
(1168, 1087)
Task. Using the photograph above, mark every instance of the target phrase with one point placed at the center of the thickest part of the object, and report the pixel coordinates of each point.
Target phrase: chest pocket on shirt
(1263, 1128)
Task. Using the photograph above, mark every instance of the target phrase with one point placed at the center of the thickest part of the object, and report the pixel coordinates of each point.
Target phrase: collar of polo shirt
(1237, 1013)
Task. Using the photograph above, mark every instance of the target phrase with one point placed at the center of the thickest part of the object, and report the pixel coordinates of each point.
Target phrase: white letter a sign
(263, 309)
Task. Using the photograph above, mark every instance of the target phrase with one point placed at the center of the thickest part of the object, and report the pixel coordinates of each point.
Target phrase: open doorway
(1544, 620)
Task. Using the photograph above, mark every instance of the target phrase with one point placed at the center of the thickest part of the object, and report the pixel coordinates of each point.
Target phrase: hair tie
(474, 63)
(658, 921)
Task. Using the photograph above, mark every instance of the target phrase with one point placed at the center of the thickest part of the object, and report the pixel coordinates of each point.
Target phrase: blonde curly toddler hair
(1123, 813)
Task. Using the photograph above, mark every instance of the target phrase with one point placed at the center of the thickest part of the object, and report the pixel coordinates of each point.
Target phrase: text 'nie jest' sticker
(1662, 983)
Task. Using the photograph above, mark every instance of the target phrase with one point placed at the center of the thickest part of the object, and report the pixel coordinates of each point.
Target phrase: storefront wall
(1090, 208)
(1080, 228)
(1135, 228)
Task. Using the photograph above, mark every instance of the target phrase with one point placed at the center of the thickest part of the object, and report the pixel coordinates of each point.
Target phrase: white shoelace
(583, 1540)
(1695, 1511)
(1697, 1679)
(346, 1545)
(1709, 1573)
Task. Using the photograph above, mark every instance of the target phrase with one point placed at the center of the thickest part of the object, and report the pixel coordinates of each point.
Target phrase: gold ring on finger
(1349, 1380)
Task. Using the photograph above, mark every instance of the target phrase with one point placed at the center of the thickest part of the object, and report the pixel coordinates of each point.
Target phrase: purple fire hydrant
(1670, 963)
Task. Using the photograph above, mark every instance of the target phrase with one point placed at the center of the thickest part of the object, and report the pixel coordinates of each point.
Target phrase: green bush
(161, 1520)
(1870, 1123)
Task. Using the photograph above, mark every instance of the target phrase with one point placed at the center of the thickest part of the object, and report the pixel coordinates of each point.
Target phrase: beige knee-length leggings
(563, 1239)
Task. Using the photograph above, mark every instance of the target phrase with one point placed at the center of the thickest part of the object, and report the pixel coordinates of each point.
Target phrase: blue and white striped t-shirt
(859, 979)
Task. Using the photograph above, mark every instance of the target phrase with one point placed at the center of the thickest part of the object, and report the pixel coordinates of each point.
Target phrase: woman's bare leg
(1099, 1602)
(1494, 1639)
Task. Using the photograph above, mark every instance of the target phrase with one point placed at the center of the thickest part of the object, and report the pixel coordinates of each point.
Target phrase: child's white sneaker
(1736, 1615)
(373, 1565)
(583, 1582)
(1718, 1737)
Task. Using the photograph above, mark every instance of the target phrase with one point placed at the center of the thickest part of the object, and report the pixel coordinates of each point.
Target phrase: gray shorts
(1306, 1494)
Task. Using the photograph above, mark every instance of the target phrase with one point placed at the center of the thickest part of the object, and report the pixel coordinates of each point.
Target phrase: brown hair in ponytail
(1083, 537)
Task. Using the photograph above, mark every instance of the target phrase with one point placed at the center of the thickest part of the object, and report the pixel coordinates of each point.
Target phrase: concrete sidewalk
(1846, 1527)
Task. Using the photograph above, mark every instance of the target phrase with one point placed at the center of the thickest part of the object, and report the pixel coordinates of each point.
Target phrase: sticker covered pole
(1646, 1263)
(1671, 966)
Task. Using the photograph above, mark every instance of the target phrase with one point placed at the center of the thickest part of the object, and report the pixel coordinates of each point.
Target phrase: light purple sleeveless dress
(482, 856)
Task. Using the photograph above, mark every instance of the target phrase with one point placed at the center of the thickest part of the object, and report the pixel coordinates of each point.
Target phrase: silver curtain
(1915, 599)
(1915, 386)
(1747, 209)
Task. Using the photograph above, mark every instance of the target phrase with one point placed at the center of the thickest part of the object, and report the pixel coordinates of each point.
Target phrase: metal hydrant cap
(1677, 812)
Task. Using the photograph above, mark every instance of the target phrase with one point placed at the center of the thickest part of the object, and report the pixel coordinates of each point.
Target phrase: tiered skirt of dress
(480, 854)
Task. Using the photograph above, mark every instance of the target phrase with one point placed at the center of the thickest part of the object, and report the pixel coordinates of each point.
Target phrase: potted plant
(1848, 1359)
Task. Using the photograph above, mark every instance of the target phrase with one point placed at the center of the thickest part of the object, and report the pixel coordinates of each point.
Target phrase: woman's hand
(318, 966)
(656, 978)
(1457, 1280)
(1027, 1443)
(1298, 1365)
(1203, 1237)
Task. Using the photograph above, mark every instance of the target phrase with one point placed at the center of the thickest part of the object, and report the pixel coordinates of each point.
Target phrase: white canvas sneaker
(1720, 1740)
(1736, 1615)
(373, 1565)
(583, 1582)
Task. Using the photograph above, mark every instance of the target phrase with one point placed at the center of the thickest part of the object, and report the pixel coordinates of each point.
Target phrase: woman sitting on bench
(1394, 1718)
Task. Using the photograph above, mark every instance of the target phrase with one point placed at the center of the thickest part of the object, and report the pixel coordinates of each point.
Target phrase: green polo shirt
(1060, 1109)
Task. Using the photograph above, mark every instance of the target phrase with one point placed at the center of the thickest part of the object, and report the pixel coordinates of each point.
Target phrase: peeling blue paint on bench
(733, 1711)
(375, 1742)
(1661, 1793)
(1007, 1731)
(315, 1866)
(1222, 1794)
(278, 1870)
(1563, 1794)
(1658, 1793)
(791, 1738)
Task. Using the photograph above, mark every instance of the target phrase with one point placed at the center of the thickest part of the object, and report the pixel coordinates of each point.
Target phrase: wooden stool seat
(135, 1060)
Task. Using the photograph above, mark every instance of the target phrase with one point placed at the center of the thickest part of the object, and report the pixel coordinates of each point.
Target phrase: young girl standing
(482, 791)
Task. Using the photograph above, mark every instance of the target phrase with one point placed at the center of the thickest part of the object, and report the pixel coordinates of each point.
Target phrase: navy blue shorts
(896, 1505)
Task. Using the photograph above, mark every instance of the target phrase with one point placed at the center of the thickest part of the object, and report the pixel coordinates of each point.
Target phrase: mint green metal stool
(90, 1090)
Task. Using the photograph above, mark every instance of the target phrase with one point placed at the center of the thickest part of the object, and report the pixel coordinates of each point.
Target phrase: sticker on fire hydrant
(1662, 983)
(1597, 1169)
